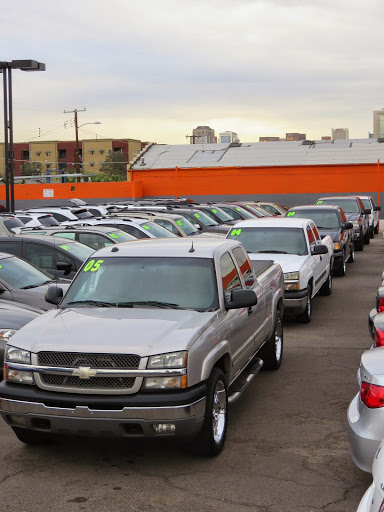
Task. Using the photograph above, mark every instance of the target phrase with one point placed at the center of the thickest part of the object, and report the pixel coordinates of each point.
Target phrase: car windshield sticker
(65, 247)
(1, 266)
(238, 209)
(112, 235)
(145, 226)
(236, 232)
(92, 266)
(214, 211)
(319, 202)
(179, 222)
(247, 205)
(197, 215)
(291, 214)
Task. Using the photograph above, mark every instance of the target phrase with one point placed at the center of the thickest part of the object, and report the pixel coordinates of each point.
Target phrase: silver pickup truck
(152, 339)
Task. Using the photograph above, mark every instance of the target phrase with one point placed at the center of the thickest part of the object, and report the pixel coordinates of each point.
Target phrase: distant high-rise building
(269, 139)
(340, 133)
(378, 123)
(295, 136)
(228, 137)
(203, 135)
(326, 137)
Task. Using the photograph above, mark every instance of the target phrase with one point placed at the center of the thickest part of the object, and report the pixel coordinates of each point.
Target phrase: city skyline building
(378, 123)
(295, 136)
(203, 135)
(340, 133)
(228, 137)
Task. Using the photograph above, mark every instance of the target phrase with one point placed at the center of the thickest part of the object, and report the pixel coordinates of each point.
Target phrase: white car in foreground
(296, 245)
(373, 499)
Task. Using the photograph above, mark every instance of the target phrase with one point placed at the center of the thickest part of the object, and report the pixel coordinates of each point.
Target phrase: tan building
(45, 154)
(340, 133)
(378, 123)
(203, 135)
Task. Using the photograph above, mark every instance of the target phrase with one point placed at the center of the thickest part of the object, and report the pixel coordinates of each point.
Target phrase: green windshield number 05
(92, 266)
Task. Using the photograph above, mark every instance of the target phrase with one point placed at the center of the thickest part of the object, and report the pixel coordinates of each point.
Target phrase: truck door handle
(250, 310)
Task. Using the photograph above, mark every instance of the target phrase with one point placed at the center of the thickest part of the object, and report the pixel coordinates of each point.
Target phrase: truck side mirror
(242, 299)
(367, 211)
(348, 225)
(319, 249)
(54, 294)
(377, 208)
(63, 265)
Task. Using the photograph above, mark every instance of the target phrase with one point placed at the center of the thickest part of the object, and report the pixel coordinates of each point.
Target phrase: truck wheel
(367, 238)
(272, 351)
(359, 246)
(376, 229)
(211, 438)
(341, 266)
(326, 289)
(372, 232)
(351, 258)
(29, 436)
(305, 317)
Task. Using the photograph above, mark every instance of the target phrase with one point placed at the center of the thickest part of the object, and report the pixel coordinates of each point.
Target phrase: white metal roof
(261, 154)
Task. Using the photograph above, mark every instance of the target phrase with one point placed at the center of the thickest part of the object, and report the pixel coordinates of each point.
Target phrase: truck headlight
(336, 246)
(165, 382)
(356, 222)
(18, 376)
(170, 360)
(17, 355)
(292, 276)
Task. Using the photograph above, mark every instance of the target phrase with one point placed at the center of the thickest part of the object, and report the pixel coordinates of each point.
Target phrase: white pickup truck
(296, 245)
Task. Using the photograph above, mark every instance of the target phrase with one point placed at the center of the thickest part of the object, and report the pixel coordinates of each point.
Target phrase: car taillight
(380, 306)
(371, 395)
(379, 337)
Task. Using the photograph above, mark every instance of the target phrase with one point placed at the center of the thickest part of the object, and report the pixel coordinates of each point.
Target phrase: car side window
(93, 240)
(42, 256)
(311, 236)
(245, 267)
(11, 248)
(63, 257)
(167, 225)
(230, 277)
(316, 233)
(71, 236)
(59, 217)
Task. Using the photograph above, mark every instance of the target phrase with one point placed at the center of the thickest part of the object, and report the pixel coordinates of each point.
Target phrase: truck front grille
(92, 383)
(76, 359)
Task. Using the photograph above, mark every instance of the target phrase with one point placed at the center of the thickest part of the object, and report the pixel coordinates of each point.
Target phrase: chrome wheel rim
(309, 306)
(278, 341)
(330, 280)
(219, 411)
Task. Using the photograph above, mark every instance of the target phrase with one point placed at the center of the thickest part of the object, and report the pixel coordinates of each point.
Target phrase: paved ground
(287, 447)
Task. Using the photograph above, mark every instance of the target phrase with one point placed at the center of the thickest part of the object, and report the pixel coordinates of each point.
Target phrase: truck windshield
(322, 219)
(349, 205)
(172, 283)
(271, 240)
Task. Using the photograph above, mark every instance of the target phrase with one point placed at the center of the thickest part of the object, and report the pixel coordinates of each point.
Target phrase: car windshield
(221, 214)
(80, 251)
(172, 283)
(186, 225)
(349, 205)
(20, 274)
(322, 219)
(205, 219)
(156, 230)
(271, 240)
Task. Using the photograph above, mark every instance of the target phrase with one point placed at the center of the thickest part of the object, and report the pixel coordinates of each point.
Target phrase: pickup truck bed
(261, 266)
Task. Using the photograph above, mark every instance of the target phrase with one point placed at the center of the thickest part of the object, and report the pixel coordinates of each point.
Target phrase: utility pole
(77, 157)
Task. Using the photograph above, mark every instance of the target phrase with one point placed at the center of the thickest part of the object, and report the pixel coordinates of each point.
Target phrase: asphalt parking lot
(287, 446)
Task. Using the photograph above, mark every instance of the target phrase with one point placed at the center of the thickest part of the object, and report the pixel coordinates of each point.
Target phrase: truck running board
(244, 380)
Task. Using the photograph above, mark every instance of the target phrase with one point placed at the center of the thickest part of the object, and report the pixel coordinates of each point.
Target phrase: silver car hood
(141, 331)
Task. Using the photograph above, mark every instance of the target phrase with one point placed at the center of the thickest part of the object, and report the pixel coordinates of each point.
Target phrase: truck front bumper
(179, 414)
(295, 302)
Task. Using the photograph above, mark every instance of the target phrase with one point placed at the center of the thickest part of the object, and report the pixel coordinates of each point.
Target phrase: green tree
(30, 168)
(115, 166)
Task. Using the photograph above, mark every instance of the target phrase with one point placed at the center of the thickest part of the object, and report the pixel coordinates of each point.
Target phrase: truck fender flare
(218, 351)
(278, 296)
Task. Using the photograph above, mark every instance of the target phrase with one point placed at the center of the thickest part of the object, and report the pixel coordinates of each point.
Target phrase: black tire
(351, 257)
(372, 232)
(359, 245)
(272, 351)
(367, 238)
(29, 436)
(305, 317)
(341, 266)
(216, 415)
(376, 229)
(326, 289)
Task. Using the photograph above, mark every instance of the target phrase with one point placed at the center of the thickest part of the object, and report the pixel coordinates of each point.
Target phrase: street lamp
(6, 69)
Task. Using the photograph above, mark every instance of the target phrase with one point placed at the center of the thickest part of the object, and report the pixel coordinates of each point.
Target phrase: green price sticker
(197, 216)
(112, 235)
(1, 266)
(236, 232)
(92, 266)
(65, 247)
(179, 222)
(214, 211)
(319, 202)
(291, 214)
(145, 226)
(238, 209)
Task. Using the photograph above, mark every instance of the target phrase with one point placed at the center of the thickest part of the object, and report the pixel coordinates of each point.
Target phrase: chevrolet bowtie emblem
(84, 372)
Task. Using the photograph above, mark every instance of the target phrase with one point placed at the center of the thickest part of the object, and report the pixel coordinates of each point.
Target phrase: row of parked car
(295, 251)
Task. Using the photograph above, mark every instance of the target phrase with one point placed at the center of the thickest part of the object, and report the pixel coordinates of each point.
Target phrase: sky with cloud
(154, 70)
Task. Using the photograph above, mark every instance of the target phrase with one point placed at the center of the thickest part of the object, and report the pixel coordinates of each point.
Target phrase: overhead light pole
(6, 69)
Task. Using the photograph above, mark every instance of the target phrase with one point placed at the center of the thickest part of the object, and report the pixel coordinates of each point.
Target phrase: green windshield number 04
(92, 266)
(236, 232)
(291, 214)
